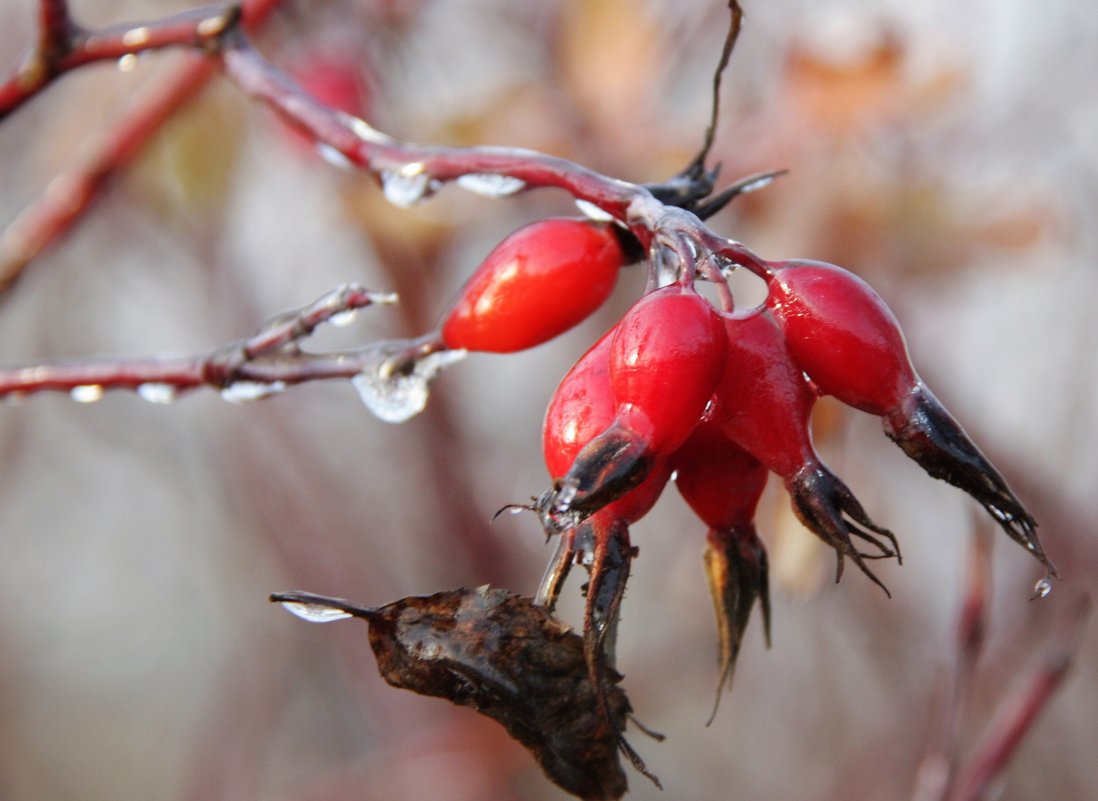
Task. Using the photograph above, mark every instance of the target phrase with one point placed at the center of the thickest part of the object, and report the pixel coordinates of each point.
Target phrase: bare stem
(270, 358)
(64, 46)
(1017, 715)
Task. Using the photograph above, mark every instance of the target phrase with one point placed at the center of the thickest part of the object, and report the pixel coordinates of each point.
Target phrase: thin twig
(69, 194)
(265, 362)
(734, 25)
(1017, 715)
(64, 45)
(938, 767)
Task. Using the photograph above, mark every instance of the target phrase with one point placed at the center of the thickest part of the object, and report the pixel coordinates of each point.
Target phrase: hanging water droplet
(396, 395)
(343, 319)
(407, 186)
(593, 212)
(490, 184)
(517, 510)
(244, 391)
(1041, 589)
(333, 156)
(86, 393)
(157, 393)
(127, 63)
(315, 613)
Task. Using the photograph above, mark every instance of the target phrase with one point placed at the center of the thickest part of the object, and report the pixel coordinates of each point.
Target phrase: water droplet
(384, 298)
(593, 212)
(136, 37)
(244, 391)
(343, 319)
(333, 156)
(364, 131)
(407, 186)
(490, 184)
(1042, 588)
(86, 393)
(127, 63)
(315, 613)
(399, 395)
(565, 496)
(157, 393)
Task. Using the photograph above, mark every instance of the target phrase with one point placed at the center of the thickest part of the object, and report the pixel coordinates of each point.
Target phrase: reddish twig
(1017, 715)
(69, 194)
(680, 244)
(251, 368)
(410, 173)
(940, 776)
(64, 45)
(938, 767)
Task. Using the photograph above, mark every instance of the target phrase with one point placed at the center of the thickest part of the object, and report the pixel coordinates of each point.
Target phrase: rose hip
(536, 284)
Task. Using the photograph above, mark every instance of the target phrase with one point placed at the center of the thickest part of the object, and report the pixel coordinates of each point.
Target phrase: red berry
(849, 343)
(582, 408)
(765, 405)
(765, 402)
(718, 479)
(842, 335)
(536, 284)
(666, 356)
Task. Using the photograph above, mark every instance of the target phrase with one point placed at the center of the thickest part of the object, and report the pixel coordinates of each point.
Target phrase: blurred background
(946, 152)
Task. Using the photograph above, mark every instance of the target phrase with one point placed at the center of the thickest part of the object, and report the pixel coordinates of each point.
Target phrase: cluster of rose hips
(713, 400)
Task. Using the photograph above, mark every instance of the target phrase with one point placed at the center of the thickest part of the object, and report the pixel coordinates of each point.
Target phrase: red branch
(680, 244)
(1016, 716)
(250, 368)
(64, 46)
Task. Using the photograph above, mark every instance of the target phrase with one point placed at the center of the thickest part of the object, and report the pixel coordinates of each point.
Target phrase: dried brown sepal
(498, 653)
(827, 507)
(607, 467)
(737, 569)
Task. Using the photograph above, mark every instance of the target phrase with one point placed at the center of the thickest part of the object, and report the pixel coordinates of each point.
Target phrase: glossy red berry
(582, 407)
(720, 481)
(846, 339)
(536, 284)
(842, 335)
(765, 405)
(666, 357)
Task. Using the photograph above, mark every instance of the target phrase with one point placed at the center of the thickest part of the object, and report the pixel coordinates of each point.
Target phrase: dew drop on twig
(396, 395)
(155, 392)
(491, 184)
(315, 613)
(86, 393)
(1042, 588)
(593, 212)
(407, 186)
(244, 391)
(333, 156)
(343, 319)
